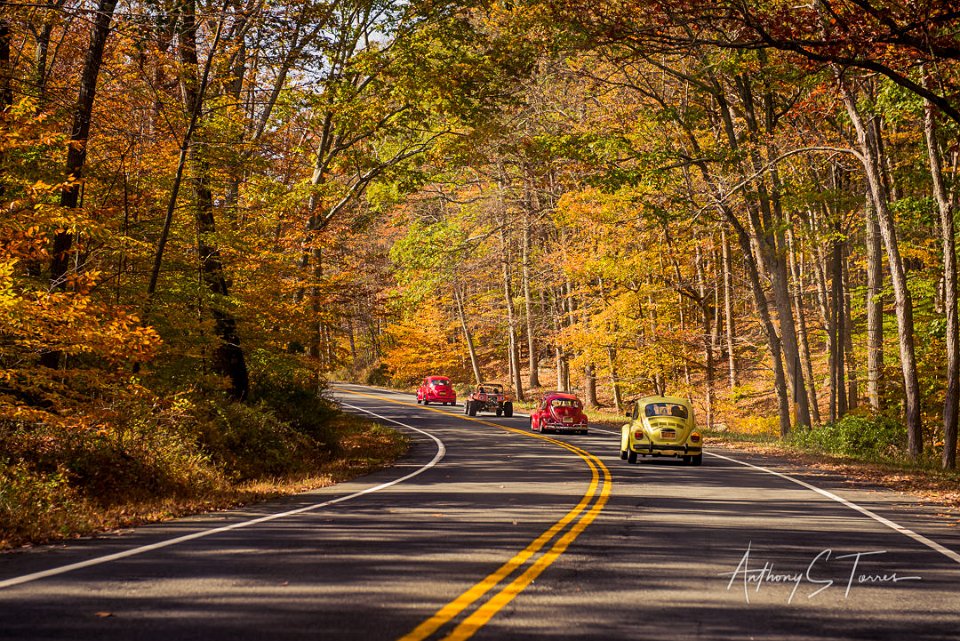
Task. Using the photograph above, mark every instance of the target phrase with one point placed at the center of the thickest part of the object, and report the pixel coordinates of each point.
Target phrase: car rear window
(666, 409)
(441, 383)
(565, 402)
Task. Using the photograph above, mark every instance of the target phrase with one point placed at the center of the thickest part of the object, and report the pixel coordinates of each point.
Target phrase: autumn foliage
(208, 210)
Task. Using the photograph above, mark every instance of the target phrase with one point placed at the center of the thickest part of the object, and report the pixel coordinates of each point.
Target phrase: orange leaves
(71, 321)
(423, 344)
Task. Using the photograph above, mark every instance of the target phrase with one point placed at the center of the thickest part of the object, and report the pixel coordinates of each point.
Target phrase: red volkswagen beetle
(559, 412)
(436, 389)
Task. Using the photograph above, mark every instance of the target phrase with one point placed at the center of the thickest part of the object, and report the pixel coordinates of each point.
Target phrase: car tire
(532, 428)
(499, 411)
(632, 457)
(508, 409)
(471, 408)
(466, 407)
(697, 460)
(623, 455)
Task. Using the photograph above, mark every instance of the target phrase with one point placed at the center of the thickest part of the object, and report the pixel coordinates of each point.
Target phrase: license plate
(668, 434)
(568, 419)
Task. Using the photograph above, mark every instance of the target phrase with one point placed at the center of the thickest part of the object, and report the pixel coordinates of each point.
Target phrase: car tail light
(695, 437)
(638, 434)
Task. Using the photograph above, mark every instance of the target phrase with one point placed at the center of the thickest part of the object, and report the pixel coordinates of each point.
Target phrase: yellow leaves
(8, 297)
(40, 187)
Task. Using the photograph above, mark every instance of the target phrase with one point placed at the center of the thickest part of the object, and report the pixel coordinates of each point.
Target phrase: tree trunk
(42, 52)
(77, 151)
(902, 299)
(559, 357)
(730, 323)
(590, 386)
(513, 343)
(767, 226)
(315, 262)
(853, 386)
(615, 379)
(874, 306)
(952, 394)
(683, 330)
(6, 72)
(532, 354)
(234, 89)
(820, 266)
(467, 336)
(762, 248)
(6, 91)
(228, 357)
(79, 134)
(707, 320)
(773, 340)
(796, 273)
(838, 407)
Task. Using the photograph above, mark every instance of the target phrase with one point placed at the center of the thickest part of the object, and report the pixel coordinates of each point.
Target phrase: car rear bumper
(668, 450)
(565, 427)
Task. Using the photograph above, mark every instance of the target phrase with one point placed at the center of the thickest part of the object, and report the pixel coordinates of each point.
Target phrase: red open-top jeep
(488, 397)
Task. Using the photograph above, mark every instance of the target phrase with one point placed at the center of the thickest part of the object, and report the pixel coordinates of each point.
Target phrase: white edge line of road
(950, 554)
(919, 538)
(441, 452)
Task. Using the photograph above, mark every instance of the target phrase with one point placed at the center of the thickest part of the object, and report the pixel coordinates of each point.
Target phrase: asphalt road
(488, 531)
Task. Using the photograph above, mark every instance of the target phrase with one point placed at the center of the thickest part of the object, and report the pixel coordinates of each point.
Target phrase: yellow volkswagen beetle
(661, 426)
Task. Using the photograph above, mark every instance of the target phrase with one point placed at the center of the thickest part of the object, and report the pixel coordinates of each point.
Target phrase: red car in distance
(559, 412)
(436, 389)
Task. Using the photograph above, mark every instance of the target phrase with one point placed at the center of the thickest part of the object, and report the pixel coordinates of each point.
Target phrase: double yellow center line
(526, 565)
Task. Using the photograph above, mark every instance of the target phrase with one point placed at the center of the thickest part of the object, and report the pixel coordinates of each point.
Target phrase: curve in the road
(441, 451)
(577, 519)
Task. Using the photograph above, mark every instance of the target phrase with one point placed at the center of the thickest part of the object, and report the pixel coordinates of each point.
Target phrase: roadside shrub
(35, 506)
(250, 442)
(291, 393)
(130, 447)
(123, 451)
(378, 376)
(148, 450)
(856, 435)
